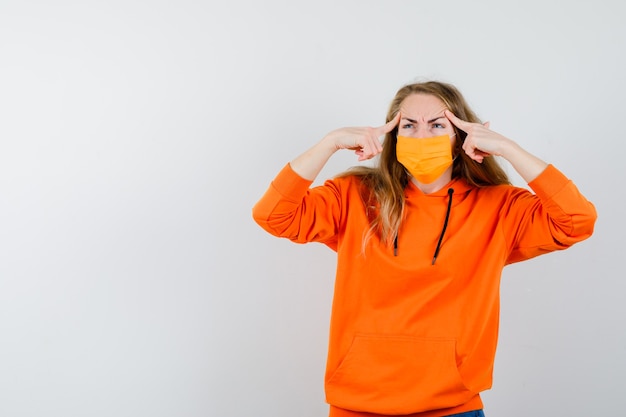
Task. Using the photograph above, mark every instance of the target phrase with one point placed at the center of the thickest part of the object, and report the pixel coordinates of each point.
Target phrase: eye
(438, 126)
(407, 126)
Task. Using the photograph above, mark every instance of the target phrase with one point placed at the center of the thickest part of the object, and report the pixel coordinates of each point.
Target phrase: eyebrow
(430, 121)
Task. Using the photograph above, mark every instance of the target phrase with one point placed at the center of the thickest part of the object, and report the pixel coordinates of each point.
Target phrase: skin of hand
(481, 142)
(364, 141)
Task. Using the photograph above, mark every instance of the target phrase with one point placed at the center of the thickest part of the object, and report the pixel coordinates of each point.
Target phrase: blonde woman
(421, 241)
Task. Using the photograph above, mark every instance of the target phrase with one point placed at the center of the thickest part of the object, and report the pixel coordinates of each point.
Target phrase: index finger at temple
(390, 125)
(461, 124)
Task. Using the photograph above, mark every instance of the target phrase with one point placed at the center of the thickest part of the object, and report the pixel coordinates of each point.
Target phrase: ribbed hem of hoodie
(472, 405)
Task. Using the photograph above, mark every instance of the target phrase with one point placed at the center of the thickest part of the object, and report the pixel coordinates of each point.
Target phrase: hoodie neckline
(459, 185)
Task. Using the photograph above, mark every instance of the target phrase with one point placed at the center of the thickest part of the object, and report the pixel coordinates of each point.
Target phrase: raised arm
(481, 142)
(364, 141)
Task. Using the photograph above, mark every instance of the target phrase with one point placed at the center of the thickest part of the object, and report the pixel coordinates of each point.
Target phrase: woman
(421, 242)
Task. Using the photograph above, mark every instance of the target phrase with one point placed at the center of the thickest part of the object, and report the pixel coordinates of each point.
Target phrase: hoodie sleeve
(554, 218)
(291, 209)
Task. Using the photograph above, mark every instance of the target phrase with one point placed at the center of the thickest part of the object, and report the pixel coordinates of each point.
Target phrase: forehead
(421, 105)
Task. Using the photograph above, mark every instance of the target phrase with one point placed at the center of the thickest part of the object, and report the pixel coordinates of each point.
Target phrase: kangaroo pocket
(397, 375)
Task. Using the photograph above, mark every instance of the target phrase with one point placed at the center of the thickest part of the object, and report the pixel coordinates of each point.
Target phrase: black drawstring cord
(445, 224)
(395, 245)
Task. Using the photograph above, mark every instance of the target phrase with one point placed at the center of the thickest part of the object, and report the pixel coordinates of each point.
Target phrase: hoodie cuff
(290, 185)
(549, 182)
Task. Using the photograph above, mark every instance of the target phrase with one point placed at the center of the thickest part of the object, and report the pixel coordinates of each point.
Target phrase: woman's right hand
(364, 141)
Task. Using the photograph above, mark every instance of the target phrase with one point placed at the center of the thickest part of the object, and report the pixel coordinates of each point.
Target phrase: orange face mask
(425, 158)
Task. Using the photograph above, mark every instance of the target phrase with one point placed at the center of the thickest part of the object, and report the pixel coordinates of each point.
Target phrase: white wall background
(136, 135)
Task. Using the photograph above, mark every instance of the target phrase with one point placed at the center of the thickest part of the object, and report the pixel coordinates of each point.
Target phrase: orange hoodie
(409, 336)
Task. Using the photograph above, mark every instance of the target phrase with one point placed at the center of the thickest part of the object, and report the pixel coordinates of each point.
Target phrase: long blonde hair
(383, 185)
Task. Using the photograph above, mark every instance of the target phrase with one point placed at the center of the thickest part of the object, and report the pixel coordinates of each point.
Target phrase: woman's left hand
(480, 141)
